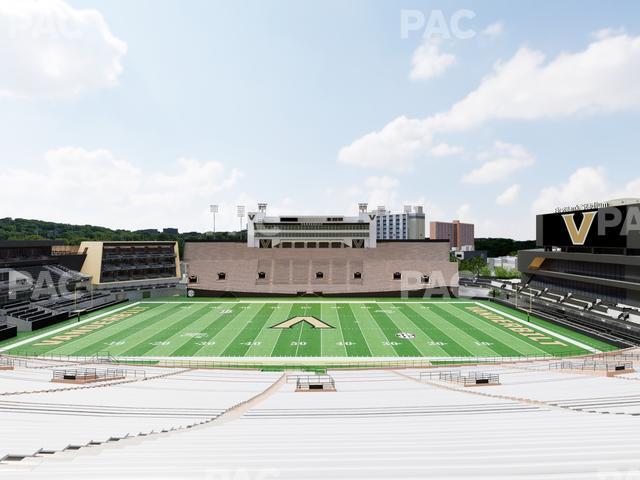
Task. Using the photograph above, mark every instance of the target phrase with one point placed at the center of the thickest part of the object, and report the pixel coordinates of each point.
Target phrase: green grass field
(355, 328)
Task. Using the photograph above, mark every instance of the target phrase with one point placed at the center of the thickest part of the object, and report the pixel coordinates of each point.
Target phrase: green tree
(473, 265)
(504, 273)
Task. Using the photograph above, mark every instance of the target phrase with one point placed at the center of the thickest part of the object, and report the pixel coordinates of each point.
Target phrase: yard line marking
(299, 338)
(275, 343)
(541, 329)
(66, 327)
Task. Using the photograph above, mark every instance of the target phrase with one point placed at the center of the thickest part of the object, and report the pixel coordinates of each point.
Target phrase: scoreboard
(609, 227)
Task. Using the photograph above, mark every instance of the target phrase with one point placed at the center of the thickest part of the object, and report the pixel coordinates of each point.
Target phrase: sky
(140, 114)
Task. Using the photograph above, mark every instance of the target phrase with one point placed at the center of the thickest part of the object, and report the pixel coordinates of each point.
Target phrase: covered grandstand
(46, 282)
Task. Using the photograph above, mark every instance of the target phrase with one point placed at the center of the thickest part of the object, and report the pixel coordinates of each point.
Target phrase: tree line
(26, 229)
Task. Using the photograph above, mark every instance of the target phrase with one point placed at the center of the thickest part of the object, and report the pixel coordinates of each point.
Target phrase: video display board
(610, 227)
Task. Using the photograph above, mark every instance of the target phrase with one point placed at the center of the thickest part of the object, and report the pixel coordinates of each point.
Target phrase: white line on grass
(541, 329)
(66, 327)
(330, 302)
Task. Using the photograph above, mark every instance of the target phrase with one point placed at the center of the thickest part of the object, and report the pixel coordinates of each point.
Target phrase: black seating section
(32, 312)
(137, 262)
(83, 300)
(53, 279)
(7, 331)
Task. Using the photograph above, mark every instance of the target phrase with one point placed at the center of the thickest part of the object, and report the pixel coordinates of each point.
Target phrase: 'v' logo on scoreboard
(579, 234)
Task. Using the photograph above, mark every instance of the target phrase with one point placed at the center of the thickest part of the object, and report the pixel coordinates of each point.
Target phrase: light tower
(214, 209)
(240, 211)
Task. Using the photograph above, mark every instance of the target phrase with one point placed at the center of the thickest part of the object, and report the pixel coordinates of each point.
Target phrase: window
(357, 275)
(222, 276)
(262, 275)
(319, 275)
(193, 279)
(425, 279)
(397, 276)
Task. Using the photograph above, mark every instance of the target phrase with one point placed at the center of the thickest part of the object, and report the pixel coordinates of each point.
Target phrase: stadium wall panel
(293, 271)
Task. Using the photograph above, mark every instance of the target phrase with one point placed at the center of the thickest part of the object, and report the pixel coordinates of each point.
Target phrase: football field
(301, 328)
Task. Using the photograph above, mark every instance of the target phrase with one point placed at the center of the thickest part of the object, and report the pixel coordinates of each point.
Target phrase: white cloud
(49, 49)
(381, 191)
(504, 160)
(445, 150)
(493, 30)
(428, 61)
(607, 32)
(601, 78)
(587, 184)
(463, 213)
(508, 196)
(71, 184)
(381, 183)
(393, 148)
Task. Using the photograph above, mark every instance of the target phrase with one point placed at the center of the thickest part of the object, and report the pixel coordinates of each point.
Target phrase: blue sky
(139, 114)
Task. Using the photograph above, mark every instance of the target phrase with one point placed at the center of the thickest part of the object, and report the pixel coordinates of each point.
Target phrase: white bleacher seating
(77, 416)
(382, 424)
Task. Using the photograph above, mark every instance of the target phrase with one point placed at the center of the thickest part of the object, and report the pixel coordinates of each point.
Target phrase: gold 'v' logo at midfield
(579, 235)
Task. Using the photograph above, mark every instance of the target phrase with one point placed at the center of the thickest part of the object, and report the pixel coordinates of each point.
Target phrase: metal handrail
(591, 365)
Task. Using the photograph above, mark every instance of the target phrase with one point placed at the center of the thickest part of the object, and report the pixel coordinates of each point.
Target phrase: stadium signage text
(582, 206)
(516, 327)
(90, 327)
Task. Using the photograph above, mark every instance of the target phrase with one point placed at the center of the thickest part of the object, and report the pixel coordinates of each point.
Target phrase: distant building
(469, 254)
(170, 231)
(409, 225)
(508, 263)
(461, 236)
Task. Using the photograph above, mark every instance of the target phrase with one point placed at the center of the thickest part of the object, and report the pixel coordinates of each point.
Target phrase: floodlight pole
(214, 209)
(240, 211)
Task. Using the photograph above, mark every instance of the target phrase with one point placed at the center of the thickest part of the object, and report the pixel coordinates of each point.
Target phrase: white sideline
(62, 329)
(541, 329)
(330, 302)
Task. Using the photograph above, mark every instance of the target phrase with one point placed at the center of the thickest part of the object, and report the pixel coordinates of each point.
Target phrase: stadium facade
(594, 253)
(130, 263)
(321, 255)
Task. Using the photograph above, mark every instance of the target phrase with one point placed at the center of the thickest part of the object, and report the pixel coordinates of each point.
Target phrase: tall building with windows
(461, 236)
(409, 225)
